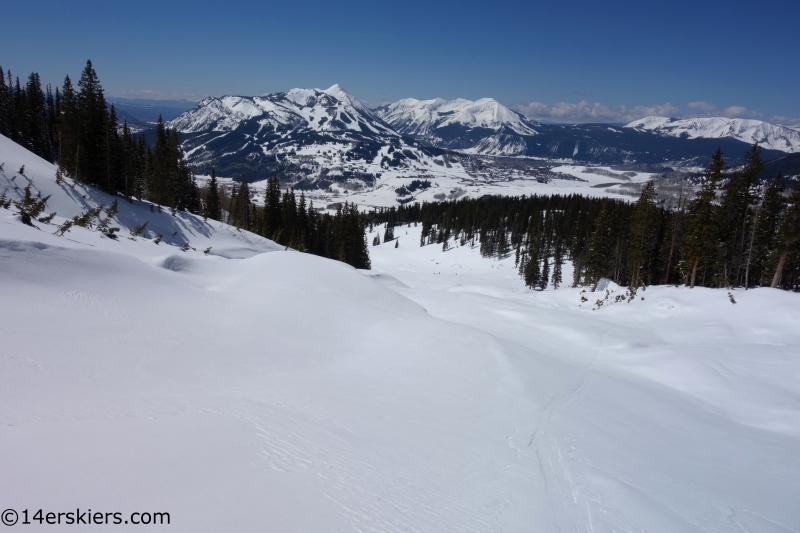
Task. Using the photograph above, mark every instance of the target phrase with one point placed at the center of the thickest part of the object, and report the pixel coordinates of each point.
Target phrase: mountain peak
(424, 117)
(770, 136)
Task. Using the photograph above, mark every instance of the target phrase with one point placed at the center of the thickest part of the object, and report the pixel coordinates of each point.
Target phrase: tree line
(734, 232)
(75, 128)
(295, 223)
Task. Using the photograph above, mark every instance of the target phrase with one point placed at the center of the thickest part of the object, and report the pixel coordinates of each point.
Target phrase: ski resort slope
(678, 411)
(264, 389)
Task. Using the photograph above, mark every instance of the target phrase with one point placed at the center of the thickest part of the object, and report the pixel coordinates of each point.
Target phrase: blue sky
(557, 60)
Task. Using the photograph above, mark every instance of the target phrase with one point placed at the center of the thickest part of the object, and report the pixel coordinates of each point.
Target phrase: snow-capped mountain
(423, 117)
(769, 136)
(316, 139)
(330, 142)
(331, 110)
(482, 126)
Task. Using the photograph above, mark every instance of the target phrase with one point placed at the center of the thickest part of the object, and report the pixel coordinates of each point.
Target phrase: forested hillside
(736, 232)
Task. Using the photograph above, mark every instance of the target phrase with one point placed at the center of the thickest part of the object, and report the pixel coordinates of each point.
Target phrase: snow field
(267, 389)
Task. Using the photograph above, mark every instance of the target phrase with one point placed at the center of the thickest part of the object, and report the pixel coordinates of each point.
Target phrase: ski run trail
(258, 389)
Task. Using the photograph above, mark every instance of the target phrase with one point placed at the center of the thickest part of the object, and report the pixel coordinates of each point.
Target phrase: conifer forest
(734, 232)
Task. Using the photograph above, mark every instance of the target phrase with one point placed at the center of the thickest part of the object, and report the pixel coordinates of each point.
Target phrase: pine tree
(29, 207)
(288, 217)
(766, 241)
(700, 240)
(272, 206)
(388, 234)
(92, 122)
(643, 234)
(558, 261)
(300, 238)
(240, 207)
(213, 208)
(67, 127)
(737, 216)
(788, 235)
(544, 280)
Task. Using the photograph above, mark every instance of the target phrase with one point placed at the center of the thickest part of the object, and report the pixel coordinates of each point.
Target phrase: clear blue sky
(558, 60)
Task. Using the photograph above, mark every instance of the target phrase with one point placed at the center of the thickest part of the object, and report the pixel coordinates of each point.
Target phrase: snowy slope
(69, 199)
(286, 392)
(423, 117)
(770, 136)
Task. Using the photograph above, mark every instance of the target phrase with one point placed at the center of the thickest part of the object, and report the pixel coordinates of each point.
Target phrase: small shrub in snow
(63, 228)
(29, 207)
(86, 219)
(138, 230)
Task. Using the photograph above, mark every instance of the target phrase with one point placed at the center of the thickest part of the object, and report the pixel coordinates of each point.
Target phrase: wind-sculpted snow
(770, 136)
(285, 392)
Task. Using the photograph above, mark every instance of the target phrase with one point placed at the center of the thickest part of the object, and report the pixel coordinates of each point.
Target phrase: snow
(770, 136)
(294, 108)
(423, 117)
(284, 391)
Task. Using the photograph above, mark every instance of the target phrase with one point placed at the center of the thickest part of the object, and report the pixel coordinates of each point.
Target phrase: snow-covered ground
(455, 183)
(279, 391)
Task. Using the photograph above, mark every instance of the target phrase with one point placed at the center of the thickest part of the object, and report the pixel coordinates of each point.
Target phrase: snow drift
(286, 392)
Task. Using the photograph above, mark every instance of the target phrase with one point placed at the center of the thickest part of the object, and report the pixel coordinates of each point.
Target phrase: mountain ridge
(770, 136)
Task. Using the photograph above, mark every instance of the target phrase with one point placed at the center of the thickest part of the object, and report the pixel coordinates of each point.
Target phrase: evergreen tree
(700, 240)
(788, 235)
(240, 207)
(544, 280)
(67, 127)
(558, 261)
(213, 207)
(737, 216)
(643, 235)
(771, 208)
(29, 207)
(272, 205)
(388, 234)
(92, 120)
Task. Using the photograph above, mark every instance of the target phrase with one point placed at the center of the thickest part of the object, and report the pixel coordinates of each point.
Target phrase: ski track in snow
(246, 390)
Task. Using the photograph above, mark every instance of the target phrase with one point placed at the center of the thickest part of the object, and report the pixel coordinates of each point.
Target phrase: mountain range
(316, 138)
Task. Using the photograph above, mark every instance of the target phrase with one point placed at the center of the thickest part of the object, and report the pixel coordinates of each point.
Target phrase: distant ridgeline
(733, 233)
(79, 132)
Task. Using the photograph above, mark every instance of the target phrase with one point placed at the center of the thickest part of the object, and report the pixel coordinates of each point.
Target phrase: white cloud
(785, 121)
(703, 109)
(737, 111)
(584, 111)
